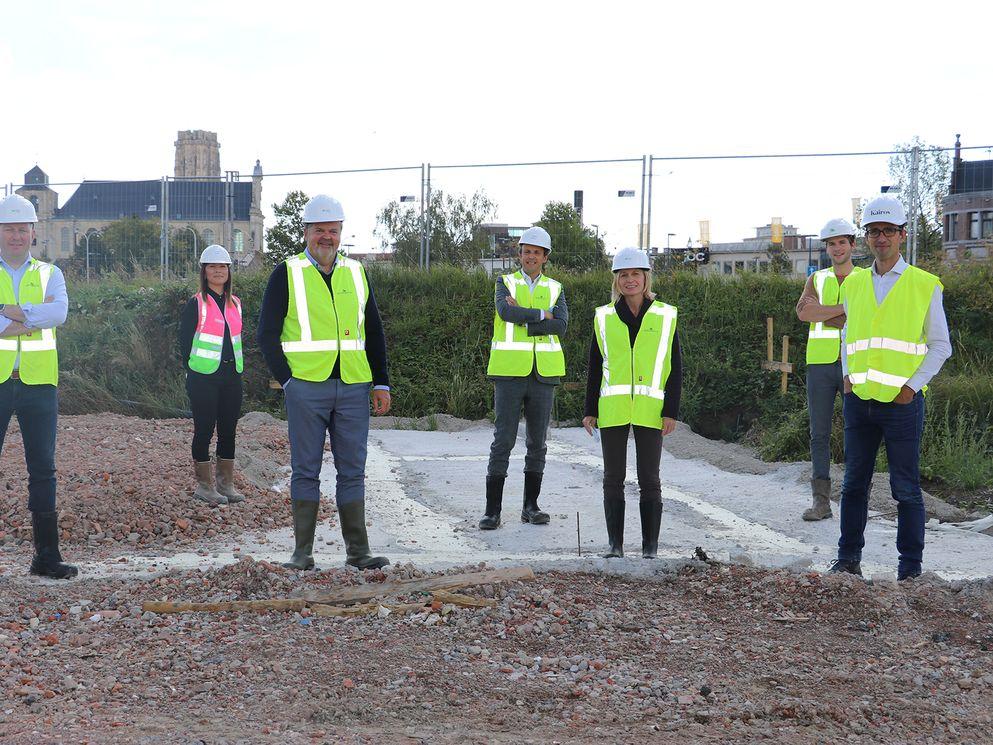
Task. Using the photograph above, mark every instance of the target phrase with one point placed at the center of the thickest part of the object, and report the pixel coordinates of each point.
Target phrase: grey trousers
(824, 382)
(314, 411)
(508, 397)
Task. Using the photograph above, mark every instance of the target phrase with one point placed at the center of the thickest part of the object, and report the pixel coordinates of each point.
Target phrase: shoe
(530, 512)
(903, 573)
(613, 511)
(225, 481)
(304, 527)
(205, 485)
(820, 509)
(651, 524)
(846, 566)
(47, 560)
(494, 502)
(352, 517)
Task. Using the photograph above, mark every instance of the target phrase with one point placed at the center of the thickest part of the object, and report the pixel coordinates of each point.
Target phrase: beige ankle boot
(225, 481)
(205, 485)
(821, 507)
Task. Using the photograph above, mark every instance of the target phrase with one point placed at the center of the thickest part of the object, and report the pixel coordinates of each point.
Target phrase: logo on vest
(346, 332)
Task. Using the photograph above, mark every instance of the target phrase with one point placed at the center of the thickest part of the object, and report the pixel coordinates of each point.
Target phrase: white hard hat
(630, 258)
(215, 254)
(884, 209)
(323, 208)
(837, 226)
(15, 209)
(536, 237)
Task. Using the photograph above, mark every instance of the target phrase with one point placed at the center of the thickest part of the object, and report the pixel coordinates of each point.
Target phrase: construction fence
(722, 213)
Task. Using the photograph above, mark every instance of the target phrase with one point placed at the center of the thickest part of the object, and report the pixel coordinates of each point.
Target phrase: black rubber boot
(47, 561)
(613, 511)
(530, 512)
(494, 503)
(651, 524)
(304, 527)
(352, 517)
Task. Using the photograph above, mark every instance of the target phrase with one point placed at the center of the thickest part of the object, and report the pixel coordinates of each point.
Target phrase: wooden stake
(768, 338)
(786, 361)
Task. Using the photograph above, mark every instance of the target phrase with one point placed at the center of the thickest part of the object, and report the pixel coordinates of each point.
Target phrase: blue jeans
(37, 409)
(900, 426)
(313, 412)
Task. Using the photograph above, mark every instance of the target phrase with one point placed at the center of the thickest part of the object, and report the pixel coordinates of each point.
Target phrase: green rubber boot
(352, 517)
(304, 527)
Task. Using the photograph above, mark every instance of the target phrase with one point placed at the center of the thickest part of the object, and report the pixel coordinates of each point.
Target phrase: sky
(99, 90)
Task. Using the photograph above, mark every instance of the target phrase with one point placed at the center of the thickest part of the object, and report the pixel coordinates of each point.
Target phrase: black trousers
(215, 401)
(648, 452)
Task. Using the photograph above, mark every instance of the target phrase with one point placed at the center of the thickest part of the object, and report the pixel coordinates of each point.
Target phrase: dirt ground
(696, 652)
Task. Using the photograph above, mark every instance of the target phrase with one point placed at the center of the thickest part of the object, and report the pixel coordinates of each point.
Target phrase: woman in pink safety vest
(210, 347)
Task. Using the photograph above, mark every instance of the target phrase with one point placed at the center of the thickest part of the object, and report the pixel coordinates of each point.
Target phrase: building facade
(220, 210)
(753, 254)
(967, 210)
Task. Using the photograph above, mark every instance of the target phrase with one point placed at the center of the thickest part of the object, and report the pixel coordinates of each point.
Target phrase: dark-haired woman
(210, 345)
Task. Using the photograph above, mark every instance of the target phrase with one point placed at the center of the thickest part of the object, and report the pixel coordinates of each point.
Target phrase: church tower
(198, 154)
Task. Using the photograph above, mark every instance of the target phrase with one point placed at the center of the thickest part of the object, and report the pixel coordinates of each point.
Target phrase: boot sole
(815, 518)
(539, 521)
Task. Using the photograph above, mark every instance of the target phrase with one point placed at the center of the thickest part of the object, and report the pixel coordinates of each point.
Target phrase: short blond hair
(615, 289)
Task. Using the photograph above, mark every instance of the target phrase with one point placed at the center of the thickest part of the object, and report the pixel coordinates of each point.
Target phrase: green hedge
(119, 345)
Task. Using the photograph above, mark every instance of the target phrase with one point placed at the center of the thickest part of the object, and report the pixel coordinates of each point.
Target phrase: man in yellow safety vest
(526, 363)
(894, 341)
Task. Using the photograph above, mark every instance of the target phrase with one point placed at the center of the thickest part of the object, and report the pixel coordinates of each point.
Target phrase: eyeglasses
(876, 232)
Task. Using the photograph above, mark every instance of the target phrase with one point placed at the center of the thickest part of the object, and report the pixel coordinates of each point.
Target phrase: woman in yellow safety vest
(210, 346)
(635, 377)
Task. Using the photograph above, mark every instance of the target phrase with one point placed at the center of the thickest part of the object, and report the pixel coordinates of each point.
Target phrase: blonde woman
(635, 378)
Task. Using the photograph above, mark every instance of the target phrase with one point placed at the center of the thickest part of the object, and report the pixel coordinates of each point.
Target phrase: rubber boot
(225, 481)
(651, 524)
(821, 507)
(47, 561)
(613, 511)
(530, 512)
(352, 517)
(494, 502)
(304, 527)
(205, 485)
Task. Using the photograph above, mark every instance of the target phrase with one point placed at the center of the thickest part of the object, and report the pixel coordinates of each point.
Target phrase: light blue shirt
(939, 344)
(532, 283)
(334, 263)
(38, 315)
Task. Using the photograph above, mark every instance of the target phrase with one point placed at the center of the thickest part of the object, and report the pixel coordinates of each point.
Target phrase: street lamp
(89, 234)
(190, 228)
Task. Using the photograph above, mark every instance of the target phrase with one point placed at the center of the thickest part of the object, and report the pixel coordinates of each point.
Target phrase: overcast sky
(99, 90)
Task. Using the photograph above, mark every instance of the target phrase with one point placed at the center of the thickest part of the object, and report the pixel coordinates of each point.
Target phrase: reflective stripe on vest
(885, 344)
(39, 359)
(321, 327)
(633, 386)
(208, 341)
(512, 352)
(824, 342)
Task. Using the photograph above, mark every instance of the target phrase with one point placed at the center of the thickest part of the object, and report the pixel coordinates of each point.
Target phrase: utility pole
(915, 156)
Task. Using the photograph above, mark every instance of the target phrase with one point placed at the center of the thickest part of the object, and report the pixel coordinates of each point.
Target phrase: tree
(455, 235)
(184, 251)
(779, 260)
(933, 174)
(573, 246)
(126, 245)
(285, 238)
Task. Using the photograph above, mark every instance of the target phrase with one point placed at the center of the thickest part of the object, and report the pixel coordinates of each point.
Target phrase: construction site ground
(746, 640)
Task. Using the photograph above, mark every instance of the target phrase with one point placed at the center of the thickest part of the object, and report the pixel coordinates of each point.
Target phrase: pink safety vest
(208, 341)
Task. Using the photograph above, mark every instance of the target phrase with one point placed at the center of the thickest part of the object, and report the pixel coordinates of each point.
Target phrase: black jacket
(673, 384)
(276, 303)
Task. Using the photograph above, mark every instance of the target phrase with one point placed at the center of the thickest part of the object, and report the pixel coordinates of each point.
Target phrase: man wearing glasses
(894, 341)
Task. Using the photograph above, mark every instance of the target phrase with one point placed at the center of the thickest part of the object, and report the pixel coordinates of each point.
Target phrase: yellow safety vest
(39, 363)
(633, 386)
(321, 325)
(824, 342)
(885, 344)
(512, 352)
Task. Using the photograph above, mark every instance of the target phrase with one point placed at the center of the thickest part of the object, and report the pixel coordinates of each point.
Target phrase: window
(208, 236)
(238, 241)
(973, 224)
(726, 266)
(739, 267)
(986, 225)
(66, 242)
(763, 266)
(953, 228)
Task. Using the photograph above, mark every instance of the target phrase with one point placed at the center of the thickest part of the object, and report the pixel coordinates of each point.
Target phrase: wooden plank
(229, 605)
(778, 366)
(786, 361)
(768, 338)
(365, 593)
(463, 601)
